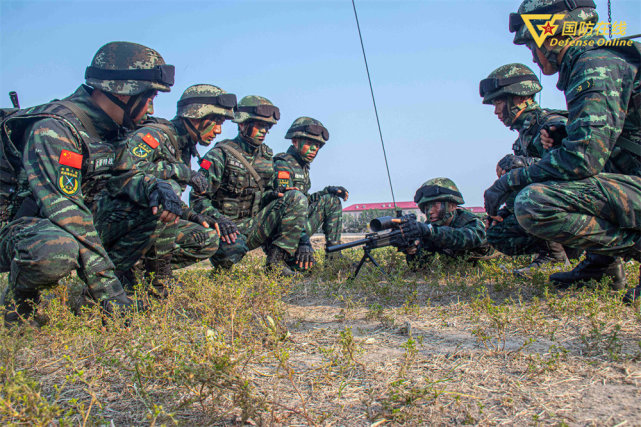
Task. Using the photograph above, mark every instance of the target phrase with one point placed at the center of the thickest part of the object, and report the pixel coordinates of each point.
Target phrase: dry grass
(453, 344)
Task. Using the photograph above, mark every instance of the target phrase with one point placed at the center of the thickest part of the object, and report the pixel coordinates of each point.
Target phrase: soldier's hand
(304, 256)
(546, 140)
(415, 229)
(552, 136)
(228, 230)
(163, 195)
(496, 195)
(120, 304)
(413, 248)
(338, 191)
(509, 162)
(198, 182)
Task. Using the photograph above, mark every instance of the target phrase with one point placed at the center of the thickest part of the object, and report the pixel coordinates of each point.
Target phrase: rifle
(13, 95)
(396, 237)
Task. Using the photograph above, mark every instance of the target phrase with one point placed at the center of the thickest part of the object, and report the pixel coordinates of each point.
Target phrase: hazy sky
(426, 59)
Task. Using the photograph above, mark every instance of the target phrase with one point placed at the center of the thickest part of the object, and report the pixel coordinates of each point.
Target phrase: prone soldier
(448, 229)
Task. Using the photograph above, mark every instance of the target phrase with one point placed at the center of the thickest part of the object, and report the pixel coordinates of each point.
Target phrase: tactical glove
(227, 228)
(163, 194)
(304, 256)
(120, 302)
(337, 191)
(511, 161)
(416, 230)
(198, 182)
(192, 216)
(496, 195)
(558, 134)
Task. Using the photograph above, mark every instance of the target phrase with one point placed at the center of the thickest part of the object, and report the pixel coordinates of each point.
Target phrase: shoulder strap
(82, 116)
(231, 150)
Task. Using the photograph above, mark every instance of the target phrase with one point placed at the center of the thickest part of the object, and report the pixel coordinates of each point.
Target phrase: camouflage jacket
(529, 125)
(65, 168)
(464, 235)
(603, 106)
(292, 171)
(163, 149)
(233, 191)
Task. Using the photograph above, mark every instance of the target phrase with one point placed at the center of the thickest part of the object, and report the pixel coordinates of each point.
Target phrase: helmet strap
(516, 110)
(127, 113)
(443, 214)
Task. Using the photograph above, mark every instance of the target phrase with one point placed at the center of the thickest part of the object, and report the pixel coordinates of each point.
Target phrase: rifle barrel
(348, 245)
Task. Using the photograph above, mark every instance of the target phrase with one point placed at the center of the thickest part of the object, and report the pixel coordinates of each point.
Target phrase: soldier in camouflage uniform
(292, 171)
(511, 89)
(448, 229)
(62, 153)
(164, 149)
(586, 193)
(241, 193)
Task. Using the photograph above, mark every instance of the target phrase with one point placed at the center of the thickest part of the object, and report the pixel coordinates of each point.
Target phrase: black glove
(164, 195)
(558, 134)
(337, 191)
(496, 195)
(198, 182)
(119, 302)
(416, 230)
(226, 226)
(511, 161)
(304, 256)
(190, 215)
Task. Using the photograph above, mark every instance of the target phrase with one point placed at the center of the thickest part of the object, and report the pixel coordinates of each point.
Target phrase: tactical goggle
(492, 84)
(225, 100)
(433, 191)
(261, 110)
(159, 74)
(316, 130)
(516, 22)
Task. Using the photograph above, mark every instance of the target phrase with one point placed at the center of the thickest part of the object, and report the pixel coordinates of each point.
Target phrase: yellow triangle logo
(545, 30)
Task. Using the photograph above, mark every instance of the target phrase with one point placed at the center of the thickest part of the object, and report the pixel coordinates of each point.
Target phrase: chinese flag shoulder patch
(71, 159)
(205, 164)
(150, 141)
(283, 175)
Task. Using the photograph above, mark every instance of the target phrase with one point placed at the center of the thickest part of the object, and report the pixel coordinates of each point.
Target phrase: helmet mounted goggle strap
(163, 74)
(492, 84)
(266, 111)
(516, 22)
(433, 191)
(225, 100)
(316, 130)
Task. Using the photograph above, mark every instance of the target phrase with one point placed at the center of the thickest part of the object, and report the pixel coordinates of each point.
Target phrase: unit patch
(141, 150)
(69, 180)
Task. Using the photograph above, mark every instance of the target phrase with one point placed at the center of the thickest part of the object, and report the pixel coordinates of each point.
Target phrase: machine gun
(395, 237)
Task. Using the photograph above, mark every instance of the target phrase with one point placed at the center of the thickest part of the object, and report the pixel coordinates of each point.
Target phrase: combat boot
(550, 253)
(127, 279)
(163, 278)
(18, 305)
(593, 267)
(277, 261)
(633, 294)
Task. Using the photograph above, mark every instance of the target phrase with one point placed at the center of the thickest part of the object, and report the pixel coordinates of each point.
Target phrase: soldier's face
(144, 111)
(257, 131)
(500, 109)
(307, 148)
(539, 59)
(210, 127)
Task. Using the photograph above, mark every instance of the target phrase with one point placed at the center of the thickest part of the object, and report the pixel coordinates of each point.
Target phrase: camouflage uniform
(292, 170)
(464, 234)
(587, 193)
(64, 152)
(164, 149)
(262, 217)
(528, 120)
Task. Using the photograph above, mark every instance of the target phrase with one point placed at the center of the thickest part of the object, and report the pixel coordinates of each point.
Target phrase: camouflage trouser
(129, 231)
(327, 212)
(280, 223)
(511, 239)
(36, 253)
(601, 213)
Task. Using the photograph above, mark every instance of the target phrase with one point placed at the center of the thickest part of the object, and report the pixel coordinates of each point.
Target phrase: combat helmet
(306, 127)
(438, 190)
(572, 10)
(510, 79)
(202, 100)
(254, 107)
(126, 68)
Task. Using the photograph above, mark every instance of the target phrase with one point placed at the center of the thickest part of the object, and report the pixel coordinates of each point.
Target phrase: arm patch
(205, 164)
(69, 158)
(150, 141)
